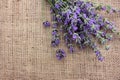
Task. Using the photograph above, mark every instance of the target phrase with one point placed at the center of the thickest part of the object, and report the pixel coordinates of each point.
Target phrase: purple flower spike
(60, 54)
(81, 24)
(99, 56)
(46, 24)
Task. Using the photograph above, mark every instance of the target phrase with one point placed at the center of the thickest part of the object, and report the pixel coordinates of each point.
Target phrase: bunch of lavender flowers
(81, 24)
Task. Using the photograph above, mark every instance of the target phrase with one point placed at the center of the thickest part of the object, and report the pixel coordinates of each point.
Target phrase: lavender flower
(60, 54)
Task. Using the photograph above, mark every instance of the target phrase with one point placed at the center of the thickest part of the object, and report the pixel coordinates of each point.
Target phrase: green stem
(50, 2)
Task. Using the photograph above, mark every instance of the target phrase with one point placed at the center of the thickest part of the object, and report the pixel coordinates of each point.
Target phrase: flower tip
(107, 47)
(101, 58)
(46, 24)
(60, 54)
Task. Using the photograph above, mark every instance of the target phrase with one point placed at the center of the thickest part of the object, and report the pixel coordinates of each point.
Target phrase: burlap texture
(26, 54)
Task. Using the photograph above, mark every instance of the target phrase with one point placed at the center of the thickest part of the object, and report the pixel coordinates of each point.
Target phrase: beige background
(25, 52)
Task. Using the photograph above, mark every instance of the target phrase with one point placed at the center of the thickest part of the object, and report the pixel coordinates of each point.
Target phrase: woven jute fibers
(26, 54)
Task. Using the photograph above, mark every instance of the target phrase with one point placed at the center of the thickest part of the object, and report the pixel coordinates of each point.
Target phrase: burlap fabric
(26, 54)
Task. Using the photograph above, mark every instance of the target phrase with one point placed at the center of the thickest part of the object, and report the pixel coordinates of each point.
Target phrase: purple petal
(57, 6)
(75, 28)
(97, 53)
(57, 41)
(75, 36)
(75, 16)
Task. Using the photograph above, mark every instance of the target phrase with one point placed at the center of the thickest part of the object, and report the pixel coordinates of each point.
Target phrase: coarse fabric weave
(26, 54)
